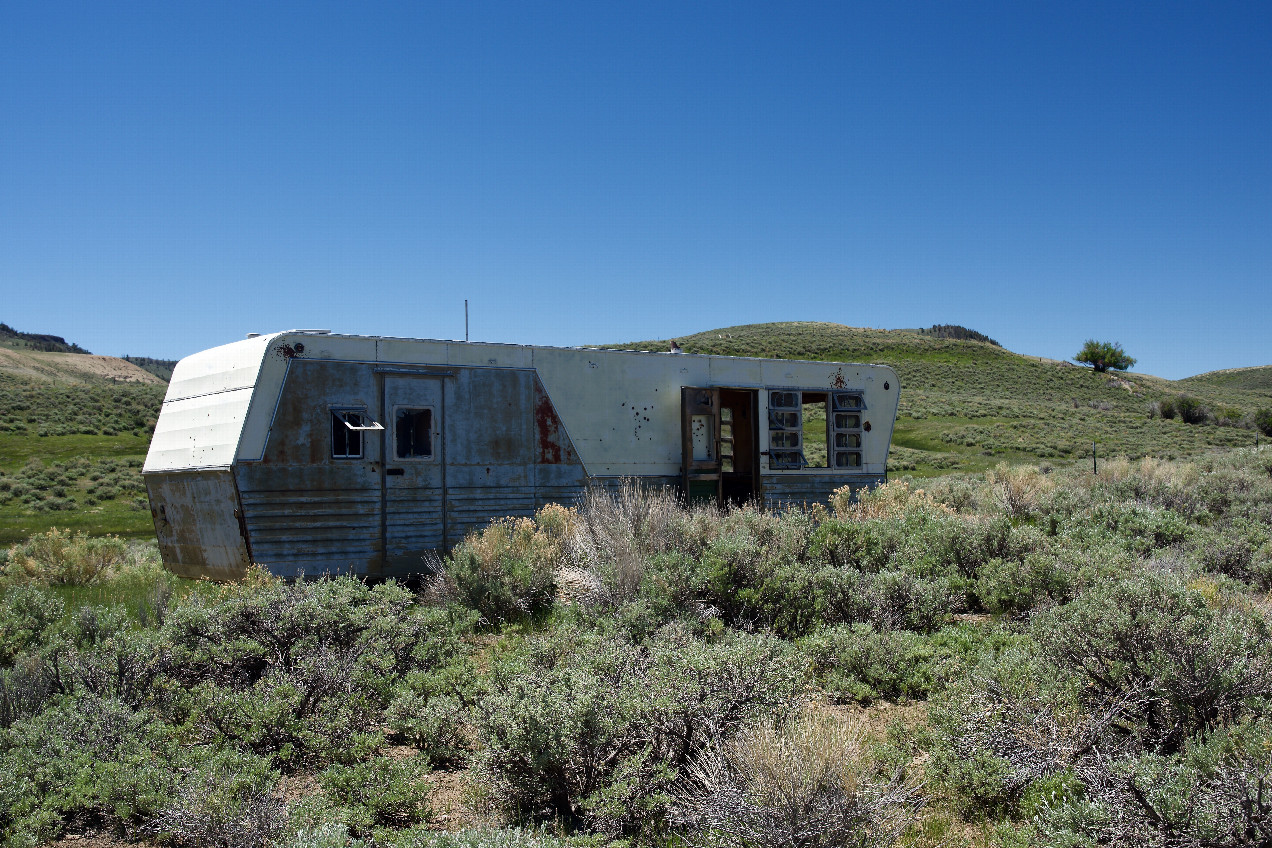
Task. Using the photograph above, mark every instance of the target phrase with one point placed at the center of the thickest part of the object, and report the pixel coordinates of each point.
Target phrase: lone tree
(1104, 355)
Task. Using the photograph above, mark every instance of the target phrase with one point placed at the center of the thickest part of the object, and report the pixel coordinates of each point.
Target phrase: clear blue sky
(174, 175)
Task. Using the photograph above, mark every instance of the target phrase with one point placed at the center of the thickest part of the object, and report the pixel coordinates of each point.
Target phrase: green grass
(71, 456)
(1258, 379)
(17, 450)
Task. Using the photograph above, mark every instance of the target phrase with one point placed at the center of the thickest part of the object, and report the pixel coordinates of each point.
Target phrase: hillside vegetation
(1028, 655)
(36, 341)
(967, 405)
(74, 430)
(1256, 380)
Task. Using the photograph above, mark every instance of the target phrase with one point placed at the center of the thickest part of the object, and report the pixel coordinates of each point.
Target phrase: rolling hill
(967, 405)
(74, 429)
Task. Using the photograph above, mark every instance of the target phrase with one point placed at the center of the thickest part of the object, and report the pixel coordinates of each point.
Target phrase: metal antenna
(465, 319)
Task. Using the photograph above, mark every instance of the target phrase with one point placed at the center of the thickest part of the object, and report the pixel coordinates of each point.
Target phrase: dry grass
(891, 501)
(1018, 489)
(62, 558)
(615, 532)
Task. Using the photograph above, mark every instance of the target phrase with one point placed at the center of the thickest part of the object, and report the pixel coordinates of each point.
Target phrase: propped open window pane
(346, 440)
(358, 421)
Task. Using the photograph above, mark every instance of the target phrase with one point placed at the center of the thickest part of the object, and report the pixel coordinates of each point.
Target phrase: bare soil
(75, 367)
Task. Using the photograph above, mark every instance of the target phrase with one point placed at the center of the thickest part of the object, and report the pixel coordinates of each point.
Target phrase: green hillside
(968, 405)
(74, 430)
(1257, 380)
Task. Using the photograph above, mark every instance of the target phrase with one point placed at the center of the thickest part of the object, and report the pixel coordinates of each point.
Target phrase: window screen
(413, 433)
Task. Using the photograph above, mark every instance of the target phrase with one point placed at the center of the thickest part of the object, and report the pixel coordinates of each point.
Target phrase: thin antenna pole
(465, 319)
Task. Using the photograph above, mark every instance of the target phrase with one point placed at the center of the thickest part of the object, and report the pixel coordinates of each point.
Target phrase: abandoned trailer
(311, 453)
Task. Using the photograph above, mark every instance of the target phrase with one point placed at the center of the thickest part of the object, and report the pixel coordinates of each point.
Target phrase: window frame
(433, 432)
(352, 431)
(850, 402)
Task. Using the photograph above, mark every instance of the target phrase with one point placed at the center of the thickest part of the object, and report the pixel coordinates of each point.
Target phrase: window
(846, 428)
(785, 435)
(815, 429)
(413, 433)
(347, 426)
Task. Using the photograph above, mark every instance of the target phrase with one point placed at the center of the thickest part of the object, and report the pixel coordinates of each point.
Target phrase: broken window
(413, 433)
(815, 429)
(347, 426)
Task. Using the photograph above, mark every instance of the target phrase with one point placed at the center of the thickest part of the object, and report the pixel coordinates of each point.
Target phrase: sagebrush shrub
(293, 672)
(381, 792)
(803, 782)
(587, 726)
(1188, 666)
(507, 571)
(62, 558)
(1018, 490)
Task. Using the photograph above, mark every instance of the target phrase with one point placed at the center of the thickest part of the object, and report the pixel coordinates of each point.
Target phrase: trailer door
(700, 443)
(413, 473)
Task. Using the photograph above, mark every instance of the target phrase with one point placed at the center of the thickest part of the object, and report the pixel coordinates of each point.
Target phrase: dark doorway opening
(739, 446)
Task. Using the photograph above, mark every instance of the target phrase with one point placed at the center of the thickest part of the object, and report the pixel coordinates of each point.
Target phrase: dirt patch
(95, 840)
(76, 367)
(456, 803)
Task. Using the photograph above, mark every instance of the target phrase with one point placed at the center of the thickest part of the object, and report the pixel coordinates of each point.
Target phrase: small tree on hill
(1103, 356)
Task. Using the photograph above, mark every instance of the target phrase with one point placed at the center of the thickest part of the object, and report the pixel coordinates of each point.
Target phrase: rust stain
(552, 442)
(837, 379)
(547, 428)
(287, 351)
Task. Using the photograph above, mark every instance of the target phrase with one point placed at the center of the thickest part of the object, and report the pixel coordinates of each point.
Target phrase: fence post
(1095, 469)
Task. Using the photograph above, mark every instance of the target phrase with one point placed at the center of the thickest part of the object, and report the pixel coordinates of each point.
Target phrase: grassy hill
(967, 405)
(1257, 380)
(74, 429)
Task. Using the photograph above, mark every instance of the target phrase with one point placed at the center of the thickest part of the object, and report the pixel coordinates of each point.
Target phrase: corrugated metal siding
(416, 518)
(295, 533)
(782, 491)
(311, 520)
(471, 509)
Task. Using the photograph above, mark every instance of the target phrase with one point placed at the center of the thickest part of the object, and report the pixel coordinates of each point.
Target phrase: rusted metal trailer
(311, 453)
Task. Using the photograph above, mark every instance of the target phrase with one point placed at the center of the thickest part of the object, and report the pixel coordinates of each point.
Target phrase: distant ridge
(37, 341)
(1255, 379)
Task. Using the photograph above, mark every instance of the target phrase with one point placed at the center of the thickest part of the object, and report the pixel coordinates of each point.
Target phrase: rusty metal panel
(197, 523)
(306, 511)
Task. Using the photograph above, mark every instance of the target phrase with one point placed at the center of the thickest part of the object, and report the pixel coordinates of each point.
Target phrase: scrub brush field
(1011, 658)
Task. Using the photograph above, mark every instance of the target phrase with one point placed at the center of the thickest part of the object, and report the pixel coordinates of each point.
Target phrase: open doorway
(739, 446)
(720, 445)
